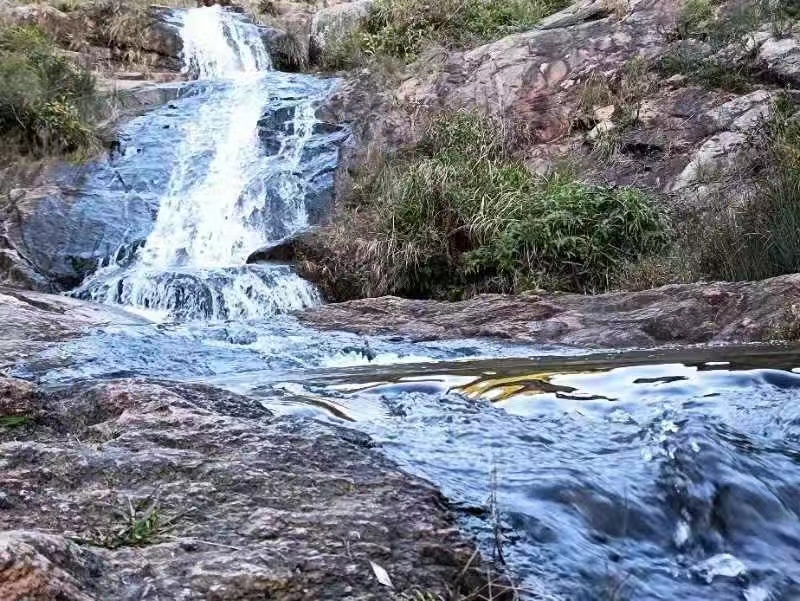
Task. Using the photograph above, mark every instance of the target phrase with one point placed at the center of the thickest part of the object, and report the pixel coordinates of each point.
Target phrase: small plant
(695, 19)
(11, 422)
(139, 524)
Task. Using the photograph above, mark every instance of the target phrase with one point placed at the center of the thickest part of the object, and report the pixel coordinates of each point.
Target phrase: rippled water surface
(641, 475)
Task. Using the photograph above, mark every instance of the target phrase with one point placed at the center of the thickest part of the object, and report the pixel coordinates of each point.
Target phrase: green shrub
(760, 238)
(695, 18)
(574, 235)
(459, 215)
(715, 50)
(46, 101)
(402, 28)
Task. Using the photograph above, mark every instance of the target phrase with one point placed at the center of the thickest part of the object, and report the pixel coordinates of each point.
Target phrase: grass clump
(138, 524)
(460, 215)
(402, 28)
(761, 237)
(574, 237)
(11, 422)
(121, 25)
(714, 45)
(46, 101)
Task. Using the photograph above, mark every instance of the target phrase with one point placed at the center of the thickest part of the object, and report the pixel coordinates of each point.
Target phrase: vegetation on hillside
(400, 29)
(46, 101)
(714, 47)
(760, 238)
(750, 229)
(458, 214)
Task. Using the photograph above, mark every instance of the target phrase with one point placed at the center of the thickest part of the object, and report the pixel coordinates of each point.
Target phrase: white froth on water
(214, 211)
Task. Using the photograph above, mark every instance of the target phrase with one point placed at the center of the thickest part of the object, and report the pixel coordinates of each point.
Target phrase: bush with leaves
(46, 101)
(460, 215)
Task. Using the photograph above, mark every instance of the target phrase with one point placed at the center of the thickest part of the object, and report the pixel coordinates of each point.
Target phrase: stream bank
(142, 490)
(190, 438)
(677, 314)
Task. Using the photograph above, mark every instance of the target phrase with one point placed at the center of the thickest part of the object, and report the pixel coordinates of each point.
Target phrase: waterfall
(217, 43)
(245, 162)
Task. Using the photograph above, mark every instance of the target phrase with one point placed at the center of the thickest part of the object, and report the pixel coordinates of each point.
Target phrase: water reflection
(642, 476)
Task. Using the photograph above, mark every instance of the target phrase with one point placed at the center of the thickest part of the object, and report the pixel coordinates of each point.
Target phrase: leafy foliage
(45, 99)
(137, 525)
(577, 237)
(460, 215)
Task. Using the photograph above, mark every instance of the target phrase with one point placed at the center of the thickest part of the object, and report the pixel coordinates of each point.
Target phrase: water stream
(645, 475)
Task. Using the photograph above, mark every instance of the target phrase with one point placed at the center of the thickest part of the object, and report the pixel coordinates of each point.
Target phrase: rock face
(781, 57)
(539, 78)
(156, 44)
(31, 322)
(134, 490)
(334, 23)
(52, 239)
(677, 314)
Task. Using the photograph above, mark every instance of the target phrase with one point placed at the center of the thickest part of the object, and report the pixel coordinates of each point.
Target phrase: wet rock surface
(675, 314)
(140, 490)
(31, 322)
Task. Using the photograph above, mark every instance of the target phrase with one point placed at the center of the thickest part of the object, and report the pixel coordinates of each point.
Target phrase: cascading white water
(226, 196)
(217, 44)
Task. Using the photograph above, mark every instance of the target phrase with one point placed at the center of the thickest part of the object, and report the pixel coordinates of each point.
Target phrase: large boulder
(686, 313)
(52, 238)
(536, 76)
(781, 59)
(332, 24)
(138, 490)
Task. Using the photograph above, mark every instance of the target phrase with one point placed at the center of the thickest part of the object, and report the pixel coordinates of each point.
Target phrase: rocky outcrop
(676, 314)
(539, 79)
(333, 24)
(31, 322)
(781, 58)
(145, 38)
(51, 239)
(138, 490)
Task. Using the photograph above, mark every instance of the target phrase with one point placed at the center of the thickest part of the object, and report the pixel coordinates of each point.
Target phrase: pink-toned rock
(676, 314)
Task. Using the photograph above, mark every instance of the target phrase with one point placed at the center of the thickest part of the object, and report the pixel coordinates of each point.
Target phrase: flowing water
(642, 475)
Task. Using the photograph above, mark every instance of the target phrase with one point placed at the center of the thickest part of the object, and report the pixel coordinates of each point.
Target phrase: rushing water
(646, 475)
(248, 161)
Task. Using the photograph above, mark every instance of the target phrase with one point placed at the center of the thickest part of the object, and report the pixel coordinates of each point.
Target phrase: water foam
(226, 195)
